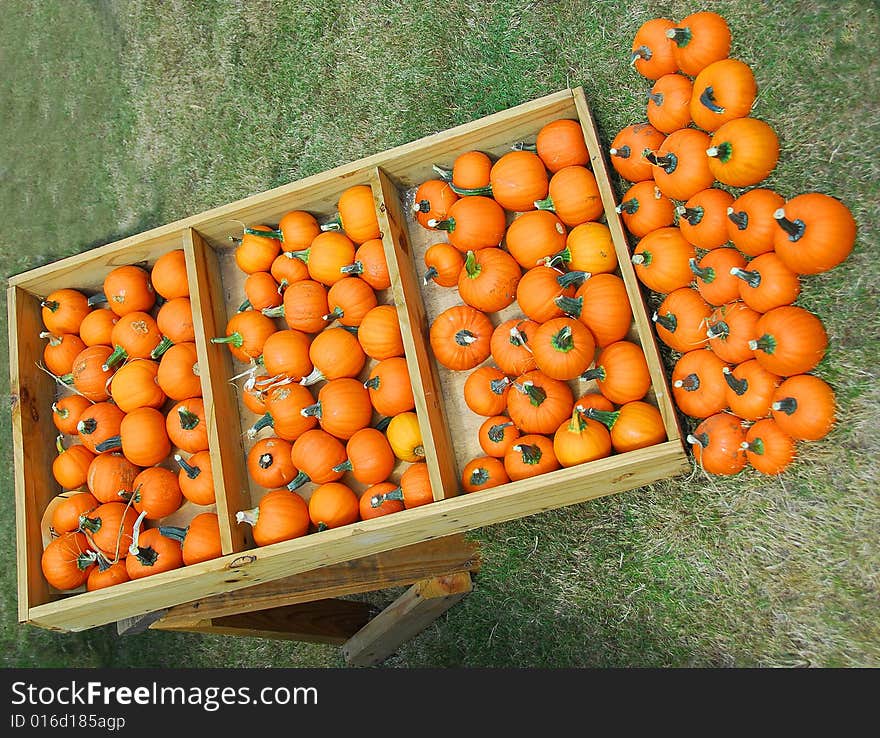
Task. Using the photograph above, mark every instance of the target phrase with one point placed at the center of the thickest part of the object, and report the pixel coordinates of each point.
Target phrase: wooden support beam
(331, 621)
(397, 568)
(405, 618)
(130, 626)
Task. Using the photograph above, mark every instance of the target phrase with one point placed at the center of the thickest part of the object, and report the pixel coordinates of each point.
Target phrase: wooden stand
(308, 607)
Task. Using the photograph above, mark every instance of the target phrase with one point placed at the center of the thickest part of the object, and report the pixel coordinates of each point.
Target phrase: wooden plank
(397, 568)
(643, 324)
(132, 626)
(331, 621)
(414, 330)
(405, 618)
(221, 405)
(33, 435)
(454, 515)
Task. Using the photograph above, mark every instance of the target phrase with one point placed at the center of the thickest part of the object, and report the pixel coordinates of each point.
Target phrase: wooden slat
(397, 568)
(405, 618)
(414, 330)
(643, 323)
(33, 435)
(221, 406)
(323, 621)
(133, 626)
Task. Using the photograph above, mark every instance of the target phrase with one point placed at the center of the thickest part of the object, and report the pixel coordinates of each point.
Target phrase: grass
(117, 118)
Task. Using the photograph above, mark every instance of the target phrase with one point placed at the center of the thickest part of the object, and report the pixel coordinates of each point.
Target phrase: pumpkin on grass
(196, 478)
(743, 152)
(768, 448)
(628, 149)
(64, 310)
(669, 103)
(390, 387)
(661, 260)
(804, 407)
(66, 412)
(703, 218)
(315, 454)
(621, 372)
(538, 404)
(71, 466)
(633, 426)
(652, 50)
(531, 455)
(750, 223)
(199, 541)
(699, 39)
(168, 275)
(698, 385)
(67, 561)
(111, 477)
(814, 233)
(483, 472)
(496, 435)
(750, 390)
(731, 329)
(461, 337)
(644, 209)
(717, 444)
(714, 276)
(156, 493)
(679, 165)
(767, 283)
(724, 90)
(789, 340)
(370, 457)
(280, 515)
(333, 505)
(489, 279)
(680, 320)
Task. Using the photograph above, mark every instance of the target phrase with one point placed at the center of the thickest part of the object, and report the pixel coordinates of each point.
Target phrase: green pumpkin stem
(707, 99)
(740, 219)
(422, 206)
(87, 558)
(356, 268)
(312, 411)
(383, 423)
(98, 298)
(707, 275)
(498, 386)
(531, 453)
(753, 279)
(572, 306)
(447, 225)
(147, 556)
(235, 339)
(642, 52)
(188, 419)
(563, 340)
(191, 471)
(465, 338)
(270, 312)
(248, 516)
(333, 225)
(89, 525)
(597, 372)
(681, 36)
(471, 191)
(719, 330)
(692, 215)
(668, 321)
(246, 305)
(118, 354)
(471, 267)
(298, 481)
(161, 347)
(60, 412)
(795, 229)
(50, 305)
(479, 477)
(429, 275)
(372, 383)
(756, 446)
(345, 466)
(787, 405)
(265, 233)
(87, 427)
(443, 173)
(576, 277)
(109, 445)
(655, 97)
(496, 432)
(765, 343)
(667, 162)
(607, 418)
(523, 146)
(265, 421)
(335, 313)
(630, 207)
(536, 394)
(59, 444)
(623, 152)
(545, 204)
(739, 386)
(174, 532)
(394, 494)
(66, 378)
(723, 151)
(644, 258)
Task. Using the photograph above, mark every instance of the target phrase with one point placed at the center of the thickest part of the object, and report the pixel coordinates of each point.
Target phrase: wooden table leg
(406, 617)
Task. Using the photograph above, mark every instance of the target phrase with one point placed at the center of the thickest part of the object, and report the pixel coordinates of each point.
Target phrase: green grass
(117, 118)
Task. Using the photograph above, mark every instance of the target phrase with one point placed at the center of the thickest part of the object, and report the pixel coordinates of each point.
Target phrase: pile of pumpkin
(131, 398)
(567, 313)
(727, 265)
(318, 381)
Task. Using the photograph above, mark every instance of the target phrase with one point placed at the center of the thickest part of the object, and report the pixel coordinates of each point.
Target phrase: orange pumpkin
(287, 353)
(485, 391)
(470, 171)
(743, 152)
(473, 223)
(644, 209)
(662, 260)
(304, 308)
(789, 340)
(669, 103)
(589, 248)
(136, 336)
(97, 326)
(187, 427)
(703, 218)
(517, 180)
(534, 237)
(767, 283)
(328, 255)
(175, 321)
(698, 385)
(178, 373)
(370, 458)
(573, 195)
(285, 406)
(257, 249)
(563, 348)
(196, 478)
(357, 214)
(381, 493)
(64, 310)
(621, 372)
(349, 300)
(128, 290)
(66, 412)
(98, 424)
(602, 304)
(390, 387)
(199, 541)
(67, 561)
(281, 515)
(698, 40)
(750, 222)
(724, 90)
(90, 378)
(540, 289)
(581, 439)
(680, 166)
(144, 436)
(803, 406)
(717, 444)
(432, 201)
(750, 390)
(152, 553)
(560, 144)
(530, 456)
(730, 329)
(509, 346)
(379, 333)
(61, 351)
(296, 230)
(111, 477)
(333, 505)
(628, 149)
(261, 291)
(137, 385)
(269, 463)
(489, 279)
(109, 576)
(343, 407)
(538, 404)
(246, 333)
(814, 233)
(71, 467)
(169, 276)
(109, 528)
(444, 263)
(768, 448)
(635, 425)
(335, 353)
(156, 492)
(460, 337)
(652, 50)
(496, 435)
(287, 269)
(484, 472)
(680, 320)
(714, 277)
(315, 454)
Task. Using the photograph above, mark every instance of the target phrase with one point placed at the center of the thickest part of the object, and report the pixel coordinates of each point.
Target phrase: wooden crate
(215, 294)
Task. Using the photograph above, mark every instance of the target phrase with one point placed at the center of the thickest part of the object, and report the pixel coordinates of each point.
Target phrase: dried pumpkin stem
(53, 339)
(498, 386)
(572, 306)
(50, 305)
(576, 277)
(692, 215)
(597, 372)
(333, 225)
(135, 535)
(667, 162)
(479, 477)
(87, 427)
(429, 275)
(188, 419)
(642, 52)
(191, 471)
(690, 383)
(312, 411)
(668, 321)
(623, 152)
(265, 421)
(248, 516)
(355, 268)
(681, 36)
(630, 207)
(442, 172)
(795, 229)
(313, 377)
(787, 405)
(109, 445)
(465, 338)
(701, 440)
(752, 278)
(174, 532)
(719, 330)
(739, 386)
(345, 466)
(523, 146)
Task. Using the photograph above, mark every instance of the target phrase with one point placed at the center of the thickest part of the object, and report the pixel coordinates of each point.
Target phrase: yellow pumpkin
(405, 437)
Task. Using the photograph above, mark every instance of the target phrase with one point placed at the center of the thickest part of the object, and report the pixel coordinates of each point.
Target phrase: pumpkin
(509, 346)
(187, 427)
(386, 503)
(496, 435)
(540, 289)
(128, 290)
(97, 327)
(390, 387)
(285, 406)
(370, 264)
(61, 351)
(750, 389)
(652, 50)
(357, 214)
(405, 437)
(333, 505)
(698, 40)
(136, 336)
(563, 348)
(633, 426)
(460, 337)
(470, 171)
(621, 372)
(483, 472)
(287, 269)
(196, 478)
(152, 553)
(90, 378)
(698, 385)
(199, 541)
(743, 152)
(144, 437)
(717, 444)
(342, 409)
(789, 340)
(768, 448)
(815, 233)
(64, 310)
(253, 392)
(750, 222)
(628, 149)
(444, 263)
(538, 404)
(328, 255)
(601, 303)
(99, 423)
(804, 407)
(109, 528)
(767, 283)
(246, 333)
(473, 223)
(714, 276)
(281, 515)
(370, 458)
(662, 260)
(66, 412)
(261, 291)
(580, 439)
(534, 237)
(517, 180)
(590, 249)
(137, 385)
(593, 400)
(296, 230)
(305, 307)
(287, 353)
(111, 575)
(111, 477)
(71, 467)
(169, 276)
(724, 90)
(680, 166)
(156, 492)
(379, 333)
(269, 463)
(485, 391)
(257, 249)
(67, 561)
(349, 300)
(178, 373)
(530, 456)
(334, 353)
(415, 485)
(175, 321)
(644, 209)
(680, 320)
(489, 279)
(730, 329)
(703, 218)
(315, 454)
(669, 103)
(573, 195)
(432, 201)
